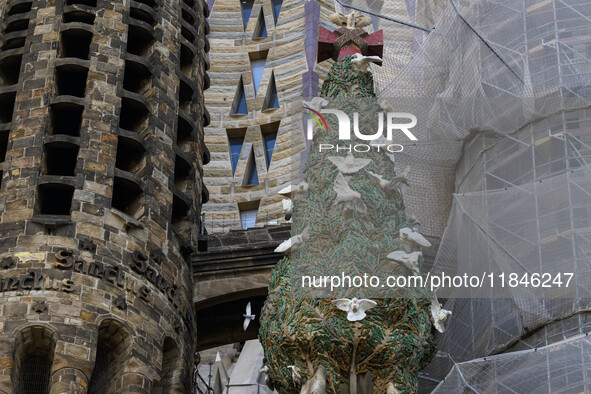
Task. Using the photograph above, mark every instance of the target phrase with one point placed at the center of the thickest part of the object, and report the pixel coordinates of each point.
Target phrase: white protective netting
(509, 134)
(562, 367)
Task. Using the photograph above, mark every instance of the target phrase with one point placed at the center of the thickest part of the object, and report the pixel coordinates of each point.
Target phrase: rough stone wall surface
(292, 61)
(232, 47)
(108, 111)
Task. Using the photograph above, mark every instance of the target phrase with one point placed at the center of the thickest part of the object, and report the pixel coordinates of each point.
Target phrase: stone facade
(101, 144)
(234, 46)
(290, 53)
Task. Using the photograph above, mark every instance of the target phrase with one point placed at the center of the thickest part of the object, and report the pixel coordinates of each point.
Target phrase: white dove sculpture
(248, 316)
(412, 239)
(350, 21)
(288, 191)
(391, 188)
(438, 315)
(287, 209)
(343, 190)
(295, 375)
(408, 260)
(354, 307)
(265, 370)
(293, 243)
(361, 63)
(348, 165)
(347, 199)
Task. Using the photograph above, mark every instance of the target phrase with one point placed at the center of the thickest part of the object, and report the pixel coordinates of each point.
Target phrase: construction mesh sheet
(504, 89)
(558, 368)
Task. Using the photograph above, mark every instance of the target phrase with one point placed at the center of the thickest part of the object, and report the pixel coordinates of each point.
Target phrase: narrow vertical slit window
(3, 149)
(269, 132)
(252, 177)
(246, 6)
(235, 141)
(184, 134)
(271, 100)
(3, 144)
(7, 106)
(239, 105)
(276, 9)
(261, 30)
(180, 213)
(257, 65)
(182, 173)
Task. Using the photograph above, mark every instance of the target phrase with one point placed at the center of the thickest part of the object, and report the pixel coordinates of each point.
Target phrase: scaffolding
(503, 89)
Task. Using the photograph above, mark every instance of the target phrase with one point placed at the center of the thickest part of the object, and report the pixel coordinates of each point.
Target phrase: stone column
(134, 382)
(68, 381)
(6, 367)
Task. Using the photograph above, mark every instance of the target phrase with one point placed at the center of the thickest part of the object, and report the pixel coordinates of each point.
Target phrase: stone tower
(101, 151)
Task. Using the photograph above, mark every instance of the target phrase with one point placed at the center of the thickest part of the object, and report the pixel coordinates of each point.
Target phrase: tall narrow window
(235, 141)
(261, 30)
(269, 132)
(239, 105)
(171, 365)
(246, 10)
(257, 65)
(111, 353)
(252, 177)
(248, 214)
(272, 100)
(276, 9)
(34, 351)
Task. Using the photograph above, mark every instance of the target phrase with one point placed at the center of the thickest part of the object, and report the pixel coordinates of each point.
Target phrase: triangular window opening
(272, 100)
(246, 10)
(261, 31)
(253, 176)
(235, 141)
(257, 65)
(276, 9)
(269, 132)
(240, 100)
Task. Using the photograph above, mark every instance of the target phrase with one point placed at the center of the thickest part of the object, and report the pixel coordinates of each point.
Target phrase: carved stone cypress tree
(348, 221)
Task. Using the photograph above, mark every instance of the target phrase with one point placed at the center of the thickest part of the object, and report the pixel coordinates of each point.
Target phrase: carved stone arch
(171, 380)
(114, 347)
(34, 350)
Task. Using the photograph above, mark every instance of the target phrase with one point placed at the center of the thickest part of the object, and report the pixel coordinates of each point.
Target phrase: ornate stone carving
(40, 306)
(120, 303)
(8, 262)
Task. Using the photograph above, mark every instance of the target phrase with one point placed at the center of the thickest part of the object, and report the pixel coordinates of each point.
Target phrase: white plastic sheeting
(506, 125)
